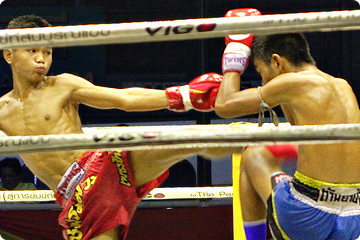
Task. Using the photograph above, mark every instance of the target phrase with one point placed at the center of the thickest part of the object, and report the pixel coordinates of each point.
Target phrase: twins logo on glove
(237, 51)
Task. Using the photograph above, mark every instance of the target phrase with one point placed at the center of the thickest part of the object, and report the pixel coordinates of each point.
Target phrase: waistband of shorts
(314, 183)
(82, 158)
(311, 187)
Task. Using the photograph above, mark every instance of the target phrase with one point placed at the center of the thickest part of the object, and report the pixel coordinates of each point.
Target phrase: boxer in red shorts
(40, 104)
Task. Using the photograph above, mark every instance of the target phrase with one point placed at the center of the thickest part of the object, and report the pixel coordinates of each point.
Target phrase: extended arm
(128, 99)
(199, 94)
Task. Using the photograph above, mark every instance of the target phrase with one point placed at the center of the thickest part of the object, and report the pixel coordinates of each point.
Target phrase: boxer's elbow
(223, 114)
(224, 110)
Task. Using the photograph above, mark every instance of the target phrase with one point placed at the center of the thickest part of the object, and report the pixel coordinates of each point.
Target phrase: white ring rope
(155, 194)
(182, 138)
(157, 128)
(81, 35)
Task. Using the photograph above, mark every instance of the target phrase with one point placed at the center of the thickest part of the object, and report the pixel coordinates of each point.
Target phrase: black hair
(28, 21)
(13, 163)
(292, 46)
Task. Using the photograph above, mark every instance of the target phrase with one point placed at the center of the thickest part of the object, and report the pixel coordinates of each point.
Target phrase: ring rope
(135, 32)
(155, 194)
(98, 129)
(184, 138)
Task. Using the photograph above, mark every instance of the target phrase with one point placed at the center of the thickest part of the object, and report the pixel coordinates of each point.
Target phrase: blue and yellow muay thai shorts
(309, 209)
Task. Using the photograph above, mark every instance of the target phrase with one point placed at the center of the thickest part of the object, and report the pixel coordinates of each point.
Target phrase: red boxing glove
(237, 51)
(241, 38)
(200, 94)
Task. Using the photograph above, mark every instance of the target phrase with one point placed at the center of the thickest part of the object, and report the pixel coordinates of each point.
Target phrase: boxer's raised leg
(150, 164)
(257, 166)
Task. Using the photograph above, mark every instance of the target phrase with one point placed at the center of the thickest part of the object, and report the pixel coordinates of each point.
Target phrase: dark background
(159, 65)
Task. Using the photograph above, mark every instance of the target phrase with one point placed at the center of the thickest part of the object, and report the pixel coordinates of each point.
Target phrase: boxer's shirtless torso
(45, 108)
(311, 97)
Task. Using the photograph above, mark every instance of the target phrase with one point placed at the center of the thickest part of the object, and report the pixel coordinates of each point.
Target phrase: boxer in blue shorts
(307, 96)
